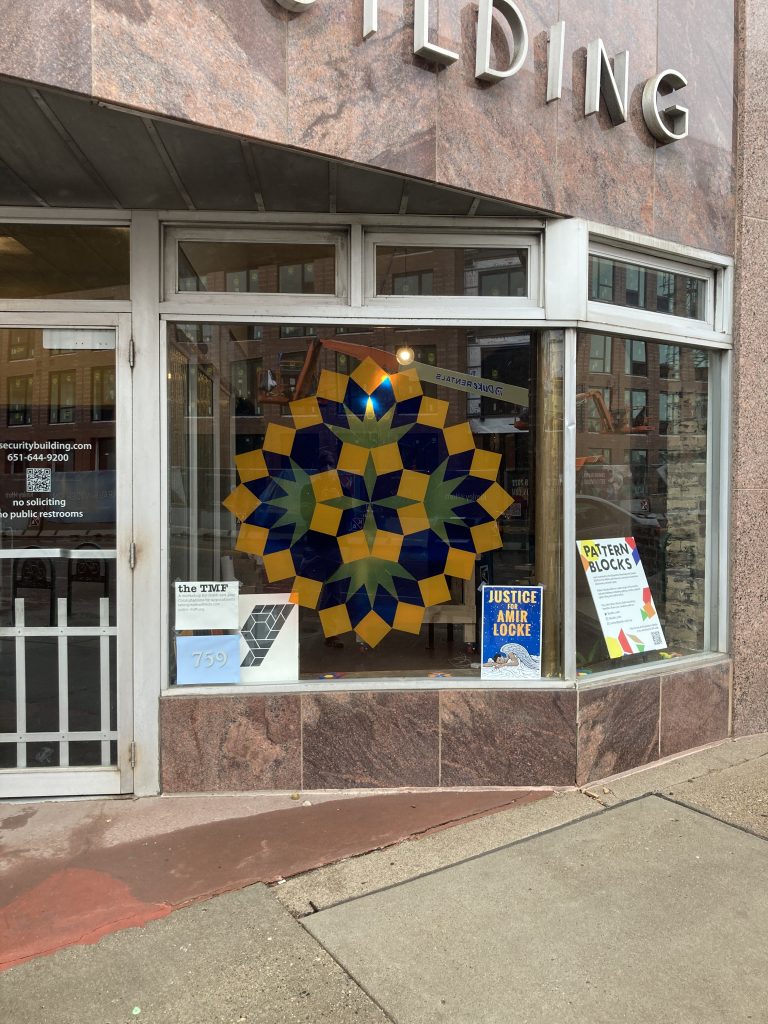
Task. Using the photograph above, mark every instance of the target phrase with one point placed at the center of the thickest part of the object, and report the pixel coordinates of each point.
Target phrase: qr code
(655, 636)
(38, 481)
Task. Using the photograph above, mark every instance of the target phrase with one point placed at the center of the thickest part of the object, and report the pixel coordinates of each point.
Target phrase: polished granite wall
(749, 570)
(309, 80)
(433, 738)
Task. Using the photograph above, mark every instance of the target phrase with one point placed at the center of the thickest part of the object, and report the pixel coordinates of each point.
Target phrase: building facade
(381, 391)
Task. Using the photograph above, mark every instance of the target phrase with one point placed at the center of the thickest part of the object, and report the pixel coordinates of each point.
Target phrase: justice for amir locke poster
(511, 634)
(623, 600)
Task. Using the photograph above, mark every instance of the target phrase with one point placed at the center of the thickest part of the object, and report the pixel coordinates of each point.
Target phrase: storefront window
(379, 494)
(646, 485)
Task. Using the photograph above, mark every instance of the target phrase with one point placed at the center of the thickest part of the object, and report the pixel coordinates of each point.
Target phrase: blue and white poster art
(269, 638)
(511, 633)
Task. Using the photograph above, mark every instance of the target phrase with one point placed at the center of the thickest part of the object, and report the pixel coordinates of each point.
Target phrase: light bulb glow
(404, 355)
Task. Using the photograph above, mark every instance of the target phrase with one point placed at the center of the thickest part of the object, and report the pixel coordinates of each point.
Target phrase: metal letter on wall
(370, 18)
(517, 25)
(421, 44)
(296, 6)
(613, 83)
(555, 54)
(678, 116)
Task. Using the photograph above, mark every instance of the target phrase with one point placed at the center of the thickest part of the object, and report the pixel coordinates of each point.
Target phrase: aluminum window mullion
(569, 507)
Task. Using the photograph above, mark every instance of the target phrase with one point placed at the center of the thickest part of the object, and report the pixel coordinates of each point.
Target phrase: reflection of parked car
(597, 519)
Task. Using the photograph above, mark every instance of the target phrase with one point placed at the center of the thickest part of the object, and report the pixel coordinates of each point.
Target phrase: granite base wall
(428, 738)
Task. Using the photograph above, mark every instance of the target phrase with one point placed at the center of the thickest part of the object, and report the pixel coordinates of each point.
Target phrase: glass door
(65, 605)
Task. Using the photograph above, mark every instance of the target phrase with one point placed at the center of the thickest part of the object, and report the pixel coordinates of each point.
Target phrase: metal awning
(65, 151)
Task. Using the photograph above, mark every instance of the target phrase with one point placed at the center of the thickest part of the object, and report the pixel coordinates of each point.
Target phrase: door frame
(96, 780)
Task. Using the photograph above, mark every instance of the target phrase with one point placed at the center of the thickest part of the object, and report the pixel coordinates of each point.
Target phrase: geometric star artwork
(261, 629)
(368, 502)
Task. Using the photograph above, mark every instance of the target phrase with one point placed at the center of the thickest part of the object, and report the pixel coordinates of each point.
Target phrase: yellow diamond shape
(406, 385)
(486, 537)
(432, 412)
(279, 565)
(251, 466)
(413, 485)
(252, 539)
(335, 620)
(241, 502)
(387, 459)
(485, 464)
(495, 500)
(279, 438)
(332, 386)
(307, 591)
(459, 438)
(326, 519)
(459, 563)
(353, 546)
(387, 545)
(413, 518)
(372, 629)
(353, 458)
(326, 485)
(408, 617)
(434, 590)
(306, 412)
(369, 375)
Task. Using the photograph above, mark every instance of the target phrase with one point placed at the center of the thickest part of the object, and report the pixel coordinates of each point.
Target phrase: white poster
(619, 588)
(269, 638)
(207, 604)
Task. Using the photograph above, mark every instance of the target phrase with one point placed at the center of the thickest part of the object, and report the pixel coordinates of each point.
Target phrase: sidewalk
(597, 905)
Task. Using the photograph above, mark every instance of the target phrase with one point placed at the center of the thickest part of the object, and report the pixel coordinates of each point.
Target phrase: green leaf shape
(298, 501)
(370, 432)
(371, 573)
(440, 501)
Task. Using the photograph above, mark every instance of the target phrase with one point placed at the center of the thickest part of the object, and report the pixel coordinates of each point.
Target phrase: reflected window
(669, 412)
(600, 353)
(21, 345)
(601, 279)
(634, 294)
(103, 393)
(636, 364)
(669, 362)
(19, 401)
(63, 399)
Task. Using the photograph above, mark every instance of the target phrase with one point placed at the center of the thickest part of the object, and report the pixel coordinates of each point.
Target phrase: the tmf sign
(669, 124)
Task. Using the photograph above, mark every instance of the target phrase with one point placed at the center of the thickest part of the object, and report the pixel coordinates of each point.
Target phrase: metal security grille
(64, 634)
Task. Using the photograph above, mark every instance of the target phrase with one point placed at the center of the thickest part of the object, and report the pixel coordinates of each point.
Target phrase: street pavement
(640, 898)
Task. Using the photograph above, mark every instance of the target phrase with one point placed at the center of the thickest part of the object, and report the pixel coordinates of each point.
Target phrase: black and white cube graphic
(261, 630)
(39, 480)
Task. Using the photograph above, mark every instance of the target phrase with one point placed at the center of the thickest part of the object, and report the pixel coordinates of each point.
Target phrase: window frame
(646, 260)
(530, 305)
(173, 235)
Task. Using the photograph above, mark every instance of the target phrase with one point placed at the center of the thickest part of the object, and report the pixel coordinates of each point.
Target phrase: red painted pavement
(52, 904)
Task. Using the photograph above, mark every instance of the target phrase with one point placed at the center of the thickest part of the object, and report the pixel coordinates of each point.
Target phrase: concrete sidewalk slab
(645, 912)
(236, 959)
(94, 886)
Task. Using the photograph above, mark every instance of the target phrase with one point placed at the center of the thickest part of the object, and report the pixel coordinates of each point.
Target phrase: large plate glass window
(643, 445)
(359, 470)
